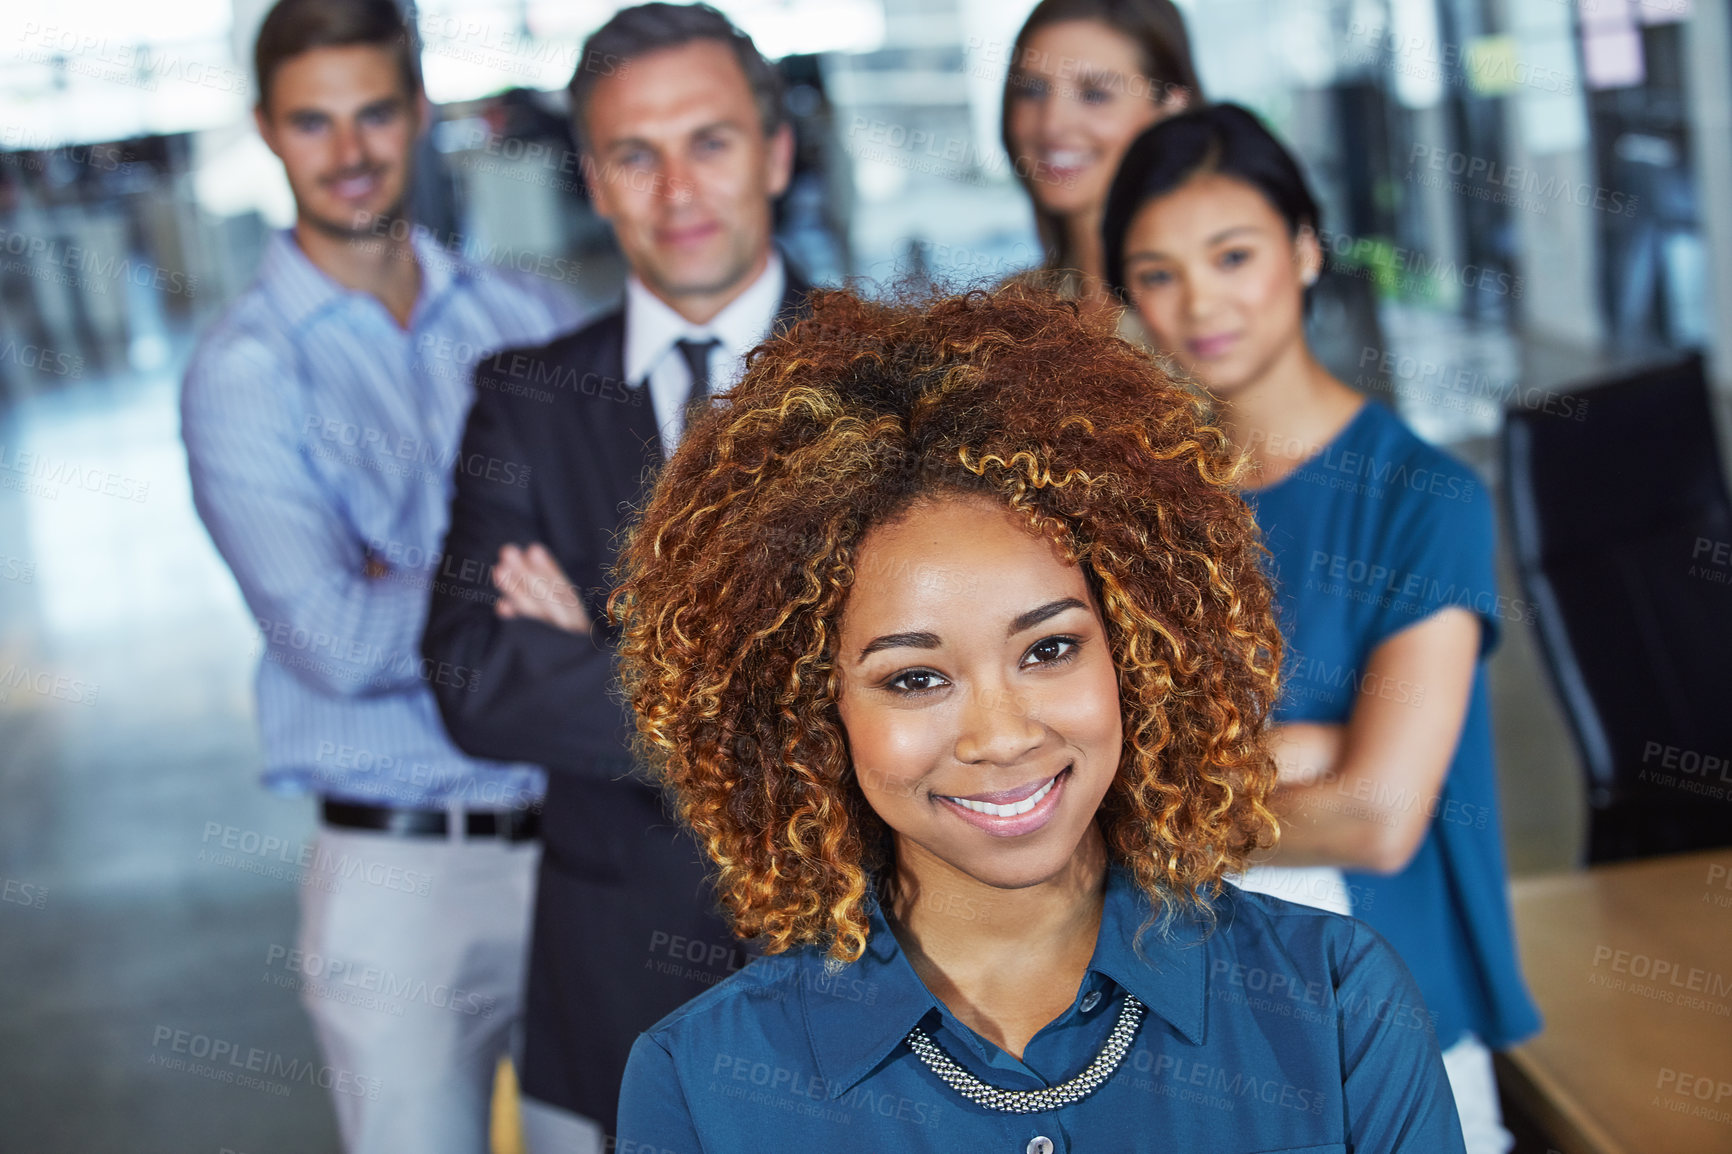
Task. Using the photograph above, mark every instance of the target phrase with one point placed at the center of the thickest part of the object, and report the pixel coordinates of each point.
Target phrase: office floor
(126, 736)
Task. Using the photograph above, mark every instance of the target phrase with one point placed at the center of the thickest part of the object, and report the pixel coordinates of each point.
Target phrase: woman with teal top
(1381, 550)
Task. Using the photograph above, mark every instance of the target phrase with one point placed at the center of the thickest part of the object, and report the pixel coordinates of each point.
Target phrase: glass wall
(1518, 195)
(1497, 176)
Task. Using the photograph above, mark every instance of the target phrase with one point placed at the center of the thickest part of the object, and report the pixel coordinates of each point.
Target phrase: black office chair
(1623, 539)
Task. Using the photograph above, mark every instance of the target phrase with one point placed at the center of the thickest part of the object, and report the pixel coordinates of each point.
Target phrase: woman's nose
(997, 727)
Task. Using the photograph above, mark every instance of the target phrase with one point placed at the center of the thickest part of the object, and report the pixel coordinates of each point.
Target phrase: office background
(1520, 196)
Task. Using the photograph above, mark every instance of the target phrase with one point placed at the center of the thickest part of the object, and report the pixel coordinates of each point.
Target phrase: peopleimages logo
(1485, 179)
(84, 268)
(55, 474)
(43, 360)
(345, 981)
(930, 153)
(1438, 382)
(1375, 259)
(143, 66)
(1412, 593)
(224, 1060)
(46, 684)
(397, 455)
(1380, 473)
(1427, 57)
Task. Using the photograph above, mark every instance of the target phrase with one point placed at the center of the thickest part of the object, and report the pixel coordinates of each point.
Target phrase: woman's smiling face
(1219, 279)
(979, 695)
(1077, 97)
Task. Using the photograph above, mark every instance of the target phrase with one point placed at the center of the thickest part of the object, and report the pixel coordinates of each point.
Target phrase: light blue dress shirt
(321, 433)
(1284, 1029)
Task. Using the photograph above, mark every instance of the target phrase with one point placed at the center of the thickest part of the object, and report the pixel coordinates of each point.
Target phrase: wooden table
(1632, 967)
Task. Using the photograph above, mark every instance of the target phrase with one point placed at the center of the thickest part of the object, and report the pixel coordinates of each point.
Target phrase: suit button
(1090, 1001)
(1040, 1144)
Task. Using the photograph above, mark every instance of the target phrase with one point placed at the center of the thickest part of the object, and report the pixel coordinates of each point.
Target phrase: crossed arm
(1361, 794)
(545, 690)
(532, 587)
(324, 603)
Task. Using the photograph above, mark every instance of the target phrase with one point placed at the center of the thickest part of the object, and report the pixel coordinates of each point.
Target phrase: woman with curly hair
(947, 633)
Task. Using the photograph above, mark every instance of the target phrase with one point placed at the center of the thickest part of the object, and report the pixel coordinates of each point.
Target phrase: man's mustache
(352, 173)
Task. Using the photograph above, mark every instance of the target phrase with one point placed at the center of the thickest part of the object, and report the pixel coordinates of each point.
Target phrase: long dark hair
(1157, 29)
(1221, 138)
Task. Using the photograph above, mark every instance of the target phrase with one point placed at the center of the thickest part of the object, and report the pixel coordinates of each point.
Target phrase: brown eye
(1050, 650)
(915, 681)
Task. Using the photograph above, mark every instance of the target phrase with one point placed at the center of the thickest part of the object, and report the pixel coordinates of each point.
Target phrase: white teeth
(355, 186)
(1067, 158)
(1016, 809)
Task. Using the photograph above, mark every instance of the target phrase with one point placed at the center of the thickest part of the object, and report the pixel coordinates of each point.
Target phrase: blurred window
(63, 67)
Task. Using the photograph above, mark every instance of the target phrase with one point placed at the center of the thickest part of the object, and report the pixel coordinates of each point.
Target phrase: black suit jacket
(560, 450)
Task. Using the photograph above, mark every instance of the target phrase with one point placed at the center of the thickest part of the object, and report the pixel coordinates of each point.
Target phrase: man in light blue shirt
(322, 415)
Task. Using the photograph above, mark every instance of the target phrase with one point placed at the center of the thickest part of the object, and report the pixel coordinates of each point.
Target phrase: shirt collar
(652, 327)
(1166, 967)
(851, 1035)
(302, 291)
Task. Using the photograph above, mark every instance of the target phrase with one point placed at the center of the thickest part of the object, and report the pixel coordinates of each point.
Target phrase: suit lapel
(796, 299)
(639, 421)
(610, 443)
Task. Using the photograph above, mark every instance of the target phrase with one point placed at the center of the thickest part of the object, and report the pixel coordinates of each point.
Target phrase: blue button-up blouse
(1282, 1028)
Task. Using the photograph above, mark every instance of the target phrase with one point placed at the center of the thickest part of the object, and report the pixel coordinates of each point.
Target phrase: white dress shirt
(652, 328)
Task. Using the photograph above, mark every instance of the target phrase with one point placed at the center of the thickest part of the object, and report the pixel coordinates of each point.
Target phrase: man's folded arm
(301, 566)
(536, 693)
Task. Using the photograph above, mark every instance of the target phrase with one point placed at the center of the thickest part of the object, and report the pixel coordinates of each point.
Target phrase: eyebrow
(1224, 234)
(372, 106)
(1103, 77)
(644, 142)
(899, 641)
(927, 640)
(1084, 74)
(1035, 616)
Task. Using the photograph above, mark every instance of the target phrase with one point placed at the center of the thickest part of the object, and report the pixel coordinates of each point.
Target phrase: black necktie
(697, 356)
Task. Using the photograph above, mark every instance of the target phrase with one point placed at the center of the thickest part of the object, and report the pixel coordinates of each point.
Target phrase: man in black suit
(686, 145)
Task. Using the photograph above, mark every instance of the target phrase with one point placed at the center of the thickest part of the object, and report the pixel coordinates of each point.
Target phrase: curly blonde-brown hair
(732, 586)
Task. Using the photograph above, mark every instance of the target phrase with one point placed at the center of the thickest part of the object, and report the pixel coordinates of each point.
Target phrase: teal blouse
(1373, 534)
(1279, 1029)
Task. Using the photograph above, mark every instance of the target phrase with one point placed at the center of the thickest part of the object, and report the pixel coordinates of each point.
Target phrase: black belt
(506, 824)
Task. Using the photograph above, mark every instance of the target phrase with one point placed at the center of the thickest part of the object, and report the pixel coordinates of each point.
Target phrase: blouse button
(1090, 1001)
(1040, 1144)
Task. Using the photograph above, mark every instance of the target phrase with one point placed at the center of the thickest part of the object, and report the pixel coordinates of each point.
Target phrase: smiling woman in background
(1086, 76)
(948, 633)
(1382, 555)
